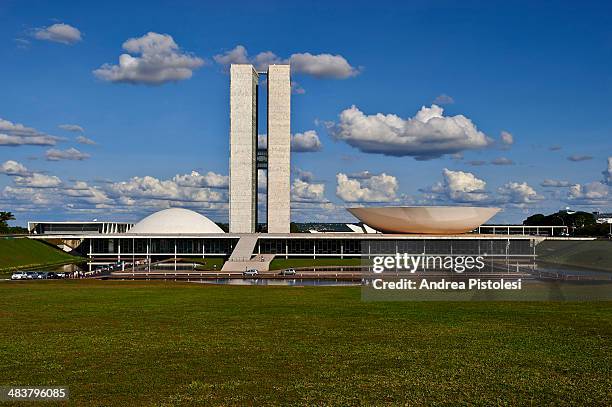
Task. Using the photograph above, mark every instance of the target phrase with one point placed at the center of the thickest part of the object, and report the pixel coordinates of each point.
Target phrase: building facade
(246, 158)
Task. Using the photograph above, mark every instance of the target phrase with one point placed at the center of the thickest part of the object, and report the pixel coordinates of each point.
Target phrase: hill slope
(19, 253)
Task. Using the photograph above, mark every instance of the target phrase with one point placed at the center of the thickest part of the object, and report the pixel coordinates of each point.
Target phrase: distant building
(76, 227)
(603, 217)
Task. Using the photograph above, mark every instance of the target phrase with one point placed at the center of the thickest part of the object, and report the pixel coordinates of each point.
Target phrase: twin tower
(246, 157)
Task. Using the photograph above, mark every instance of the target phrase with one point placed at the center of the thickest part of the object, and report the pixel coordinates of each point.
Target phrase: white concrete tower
(279, 148)
(243, 149)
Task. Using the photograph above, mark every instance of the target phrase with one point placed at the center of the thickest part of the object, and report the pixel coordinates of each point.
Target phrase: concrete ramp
(242, 257)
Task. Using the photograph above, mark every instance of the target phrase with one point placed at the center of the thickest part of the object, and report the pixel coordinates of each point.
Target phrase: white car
(19, 275)
(251, 272)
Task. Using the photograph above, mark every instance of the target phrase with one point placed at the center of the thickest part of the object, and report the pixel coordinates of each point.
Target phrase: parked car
(31, 275)
(19, 275)
(251, 272)
(50, 275)
(287, 272)
(60, 275)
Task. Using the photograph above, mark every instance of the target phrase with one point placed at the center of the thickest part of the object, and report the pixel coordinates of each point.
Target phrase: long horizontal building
(184, 234)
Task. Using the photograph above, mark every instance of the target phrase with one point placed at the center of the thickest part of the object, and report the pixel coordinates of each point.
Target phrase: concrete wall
(243, 148)
(279, 148)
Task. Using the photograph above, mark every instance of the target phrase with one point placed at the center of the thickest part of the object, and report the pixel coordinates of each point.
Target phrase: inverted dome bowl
(445, 220)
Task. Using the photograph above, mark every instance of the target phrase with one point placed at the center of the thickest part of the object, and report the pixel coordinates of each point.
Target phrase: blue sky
(539, 72)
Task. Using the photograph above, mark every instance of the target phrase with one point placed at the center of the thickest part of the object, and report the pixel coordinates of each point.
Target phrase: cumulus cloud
(11, 167)
(518, 194)
(552, 183)
(303, 191)
(319, 66)
(88, 194)
(72, 153)
(578, 157)
(429, 134)
(506, 138)
(72, 127)
(85, 140)
(306, 142)
(607, 173)
(37, 180)
(148, 187)
(60, 32)
(502, 161)
(462, 186)
(443, 99)
(594, 193)
(197, 180)
(16, 134)
(375, 188)
(465, 187)
(160, 60)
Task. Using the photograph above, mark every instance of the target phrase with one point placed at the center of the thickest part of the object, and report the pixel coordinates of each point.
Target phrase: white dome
(175, 220)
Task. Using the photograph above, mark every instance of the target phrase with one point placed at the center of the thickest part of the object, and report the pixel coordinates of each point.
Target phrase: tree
(4, 218)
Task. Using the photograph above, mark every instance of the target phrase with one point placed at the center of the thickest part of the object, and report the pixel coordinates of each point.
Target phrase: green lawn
(21, 253)
(278, 264)
(594, 254)
(163, 343)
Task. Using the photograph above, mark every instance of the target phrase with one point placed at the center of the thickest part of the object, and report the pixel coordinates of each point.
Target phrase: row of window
(319, 246)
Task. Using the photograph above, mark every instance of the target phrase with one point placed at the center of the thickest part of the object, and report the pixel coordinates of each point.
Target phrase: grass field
(594, 254)
(27, 253)
(162, 343)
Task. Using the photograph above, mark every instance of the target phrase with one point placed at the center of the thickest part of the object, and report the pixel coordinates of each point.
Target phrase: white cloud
(305, 142)
(30, 197)
(502, 161)
(69, 154)
(552, 183)
(518, 193)
(37, 180)
(160, 61)
(60, 32)
(506, 138)
(16, 134)
(322, 66)
(72, 127)
(376, 188)
(238, 55)
(302, 191)
(462, 186)
(85, 140)
(88, 194)
(318, 66)
(148, 187)
(197, 180)
(607, 173)
(579, 157)
(594, 193)
(11, 167)
(443, 99)
(429, 134)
